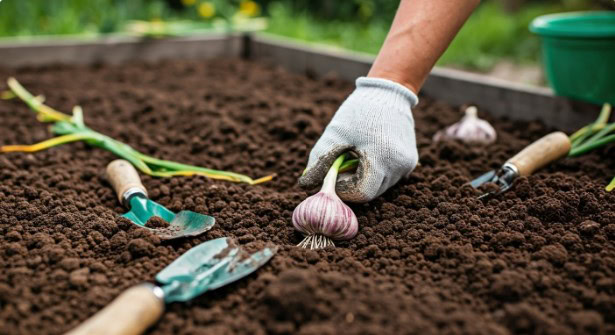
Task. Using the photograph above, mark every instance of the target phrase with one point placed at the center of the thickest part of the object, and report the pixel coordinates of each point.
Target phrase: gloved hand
(375, 122)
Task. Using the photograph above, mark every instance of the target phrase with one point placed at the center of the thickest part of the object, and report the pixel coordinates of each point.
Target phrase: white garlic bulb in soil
(469, 129)
(324, 217)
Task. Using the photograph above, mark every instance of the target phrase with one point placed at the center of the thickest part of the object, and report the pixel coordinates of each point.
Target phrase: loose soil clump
(156, 222)
(429, 257)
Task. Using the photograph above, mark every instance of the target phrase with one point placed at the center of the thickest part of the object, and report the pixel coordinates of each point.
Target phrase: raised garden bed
(429, 257)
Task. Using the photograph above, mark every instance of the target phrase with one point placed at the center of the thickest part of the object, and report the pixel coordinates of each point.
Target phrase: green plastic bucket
(579, 54)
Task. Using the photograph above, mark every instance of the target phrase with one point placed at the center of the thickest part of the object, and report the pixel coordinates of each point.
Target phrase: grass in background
(489, 36)
(52, 17)
(348, 35)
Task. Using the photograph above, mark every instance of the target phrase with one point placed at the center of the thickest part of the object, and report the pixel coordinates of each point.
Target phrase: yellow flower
(249, 8)
(188, 2)
(207, 9)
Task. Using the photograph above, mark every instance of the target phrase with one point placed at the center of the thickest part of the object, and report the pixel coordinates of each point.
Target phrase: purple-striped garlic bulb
(469, 129)
(324, 217)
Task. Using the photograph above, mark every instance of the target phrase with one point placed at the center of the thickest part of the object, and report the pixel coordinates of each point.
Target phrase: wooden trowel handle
(131, 313)
(124, 177)
(540, 153)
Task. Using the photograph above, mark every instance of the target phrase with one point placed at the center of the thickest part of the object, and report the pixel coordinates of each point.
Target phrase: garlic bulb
(469, 129)
(324, 217)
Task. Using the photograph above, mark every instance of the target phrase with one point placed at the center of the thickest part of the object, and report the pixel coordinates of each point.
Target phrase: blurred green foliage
(493, 32)
(44, 17)
(348, 10)
(384, 10)
(301, 25)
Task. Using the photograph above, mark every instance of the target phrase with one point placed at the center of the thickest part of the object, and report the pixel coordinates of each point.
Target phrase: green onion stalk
(73, 129)
(593, 136)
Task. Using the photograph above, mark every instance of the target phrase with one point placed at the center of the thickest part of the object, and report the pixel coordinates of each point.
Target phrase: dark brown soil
(156, 222)
(429, 258)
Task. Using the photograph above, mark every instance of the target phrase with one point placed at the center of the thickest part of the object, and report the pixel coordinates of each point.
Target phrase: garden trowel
(132, 194)
(533, 157)
(203, 268)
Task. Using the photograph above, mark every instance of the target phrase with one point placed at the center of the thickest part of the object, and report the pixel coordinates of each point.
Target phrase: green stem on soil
(591, 146)
(594, 136)
(580, 135)
(611, 185)
(174, 166)
(74, 129)
(45, 144)
(34, 103)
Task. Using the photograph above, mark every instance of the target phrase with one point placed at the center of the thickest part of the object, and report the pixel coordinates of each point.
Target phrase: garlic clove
(469, 129)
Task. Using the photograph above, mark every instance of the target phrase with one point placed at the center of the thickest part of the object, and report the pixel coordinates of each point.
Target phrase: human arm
(375, 122)
(419, 35)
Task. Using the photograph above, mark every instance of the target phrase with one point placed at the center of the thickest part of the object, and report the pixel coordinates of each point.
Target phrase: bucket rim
(576, 24)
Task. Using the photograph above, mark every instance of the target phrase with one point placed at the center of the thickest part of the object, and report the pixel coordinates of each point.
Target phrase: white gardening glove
(375, 122)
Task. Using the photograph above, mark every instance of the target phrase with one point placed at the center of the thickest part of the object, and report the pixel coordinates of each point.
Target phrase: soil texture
(429, 257)
(156, 222)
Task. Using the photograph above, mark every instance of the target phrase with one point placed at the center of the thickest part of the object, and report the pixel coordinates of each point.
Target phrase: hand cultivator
(548, 149)
(535, 156)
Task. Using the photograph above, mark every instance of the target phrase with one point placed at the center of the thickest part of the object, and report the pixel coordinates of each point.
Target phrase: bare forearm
(420, 33)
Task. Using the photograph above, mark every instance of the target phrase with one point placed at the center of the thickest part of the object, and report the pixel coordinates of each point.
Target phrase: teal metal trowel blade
(131, 193)
(205, 267)
(142, 209)
(209, 266)
(184, 223)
